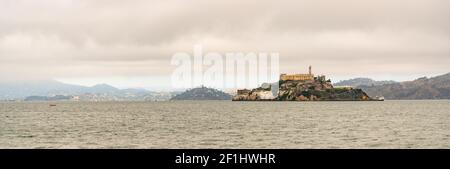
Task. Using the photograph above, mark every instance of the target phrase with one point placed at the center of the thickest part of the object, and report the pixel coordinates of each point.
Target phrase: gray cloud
(65, 38)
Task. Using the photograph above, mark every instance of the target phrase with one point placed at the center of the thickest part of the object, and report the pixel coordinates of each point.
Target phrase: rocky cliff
(318, 91)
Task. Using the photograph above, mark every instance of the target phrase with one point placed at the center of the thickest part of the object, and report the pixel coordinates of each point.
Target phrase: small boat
(379, 98)
(52, 105)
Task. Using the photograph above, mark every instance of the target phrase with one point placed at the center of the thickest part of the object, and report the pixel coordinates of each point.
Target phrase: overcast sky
(130, 43)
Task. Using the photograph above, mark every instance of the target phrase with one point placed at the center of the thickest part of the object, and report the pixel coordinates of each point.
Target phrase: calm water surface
(226, 124)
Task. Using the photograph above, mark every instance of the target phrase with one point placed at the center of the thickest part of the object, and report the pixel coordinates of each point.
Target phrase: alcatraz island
(303, 87)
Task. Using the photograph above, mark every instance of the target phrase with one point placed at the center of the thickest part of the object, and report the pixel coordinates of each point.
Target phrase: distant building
(243, 92)
(75, 98)
(298, 77)
(321, 78)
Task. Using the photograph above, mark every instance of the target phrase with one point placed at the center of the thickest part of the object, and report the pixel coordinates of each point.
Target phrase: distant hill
(202, 93)
(362, 82)
(102, 88)
(48, 89)
(20, 90)
(423, 88)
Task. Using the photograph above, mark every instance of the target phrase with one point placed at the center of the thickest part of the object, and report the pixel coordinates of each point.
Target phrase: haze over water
(226, 124)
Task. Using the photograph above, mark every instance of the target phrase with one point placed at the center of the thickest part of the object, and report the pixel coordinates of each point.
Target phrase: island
(202, 93)
(303, 87)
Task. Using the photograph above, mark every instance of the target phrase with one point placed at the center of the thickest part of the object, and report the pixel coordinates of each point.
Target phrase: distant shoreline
(168, 101)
